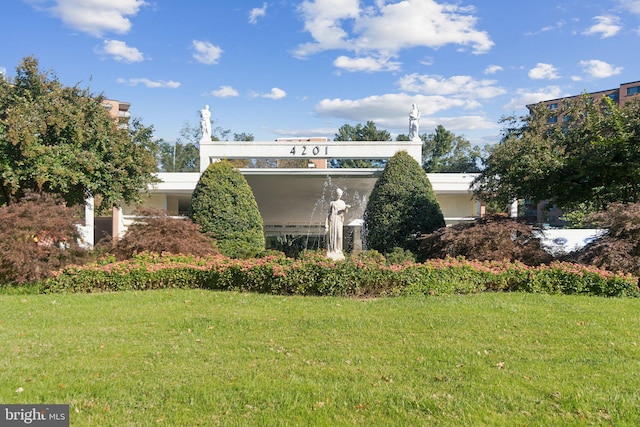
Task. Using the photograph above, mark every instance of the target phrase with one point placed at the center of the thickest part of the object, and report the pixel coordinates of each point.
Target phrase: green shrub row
(316, 275)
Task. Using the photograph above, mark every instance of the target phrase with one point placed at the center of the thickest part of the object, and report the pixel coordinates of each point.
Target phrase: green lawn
(187, 358)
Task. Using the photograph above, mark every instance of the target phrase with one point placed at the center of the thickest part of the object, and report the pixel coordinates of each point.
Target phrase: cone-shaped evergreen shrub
(401, 207)
(225, 208)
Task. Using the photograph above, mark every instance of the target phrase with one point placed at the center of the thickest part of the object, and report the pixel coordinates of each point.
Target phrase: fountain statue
(334, 226)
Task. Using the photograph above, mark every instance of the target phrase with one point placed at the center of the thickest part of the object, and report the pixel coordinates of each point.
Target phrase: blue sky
(281, 68)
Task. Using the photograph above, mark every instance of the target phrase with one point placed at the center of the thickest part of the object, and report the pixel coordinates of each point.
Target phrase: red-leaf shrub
(37, 236)
(619, 248)
(492, 238)
(156, 231)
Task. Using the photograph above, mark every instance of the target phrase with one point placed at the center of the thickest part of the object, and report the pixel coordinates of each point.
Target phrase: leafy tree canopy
(61, 140)
(584, 152)
(368, 132)
(446, 152)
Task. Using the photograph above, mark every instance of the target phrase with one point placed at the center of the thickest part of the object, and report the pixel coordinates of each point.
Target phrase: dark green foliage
(590, 156)
(156, 231)
(61, 140)
(445, 152)
(367, 132)
(490, 238)
(37, 236)
(224, 206)
(400, 256)
(178, 157)
(401, 207)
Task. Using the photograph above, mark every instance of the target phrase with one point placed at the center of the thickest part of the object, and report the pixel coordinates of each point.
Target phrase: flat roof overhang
(298, 199)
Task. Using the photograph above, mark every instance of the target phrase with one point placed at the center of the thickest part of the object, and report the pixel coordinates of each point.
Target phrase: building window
(553, 106)
(553, 119)
(613, 96)
(633, 90)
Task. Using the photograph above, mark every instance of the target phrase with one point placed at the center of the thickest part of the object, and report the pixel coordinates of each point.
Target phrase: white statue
(205, 123)
(334, 225)
(414, 118)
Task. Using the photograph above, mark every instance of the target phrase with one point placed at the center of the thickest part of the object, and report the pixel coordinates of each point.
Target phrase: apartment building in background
(119, 111)
(543, 212)
(620, 96)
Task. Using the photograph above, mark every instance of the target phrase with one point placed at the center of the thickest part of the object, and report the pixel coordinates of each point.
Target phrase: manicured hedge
(315, 274)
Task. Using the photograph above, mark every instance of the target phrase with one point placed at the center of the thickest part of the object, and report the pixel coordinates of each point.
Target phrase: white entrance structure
(294, 201)
(306, 148)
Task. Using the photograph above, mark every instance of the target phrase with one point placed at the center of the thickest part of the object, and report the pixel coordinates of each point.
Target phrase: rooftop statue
(205, 123)
(414, 119)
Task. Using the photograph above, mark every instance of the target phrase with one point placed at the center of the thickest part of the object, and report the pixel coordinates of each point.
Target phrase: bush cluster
(37, 236)
(491, 238)
(402, 205)
(156, 231)
(224, 206)
(619, 249)
(314, 274)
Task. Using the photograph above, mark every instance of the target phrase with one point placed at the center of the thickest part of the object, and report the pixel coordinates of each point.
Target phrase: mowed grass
(194, 357)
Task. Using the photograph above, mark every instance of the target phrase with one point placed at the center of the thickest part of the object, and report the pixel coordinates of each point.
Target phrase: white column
(513, 210)
(88, 229)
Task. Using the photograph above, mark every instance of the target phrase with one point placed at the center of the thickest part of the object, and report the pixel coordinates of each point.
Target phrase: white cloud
(632, 6)
(492, 69)
(205, 52)
(555, 26)
(276, 93)
(543, 71)
(94, 17)
(257, 12)
(607, 26)
(386, 110)
(391, 111)
(293, 133)
(387, 28)
(224, 92)
(322, 20)
(526, 97)
(150, 83)
(599, 69)
(366, 64)
(121, 52)
(455, 86)
(457, 123)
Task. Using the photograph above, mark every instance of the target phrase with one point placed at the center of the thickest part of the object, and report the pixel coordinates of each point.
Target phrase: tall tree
(184, 154)
(178, 157)
(368, 132)
(446, 152)
(61, 140)
(590, 156)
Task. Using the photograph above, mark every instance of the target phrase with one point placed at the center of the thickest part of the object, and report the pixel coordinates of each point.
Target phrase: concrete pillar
(513, 210)
(87, 230)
